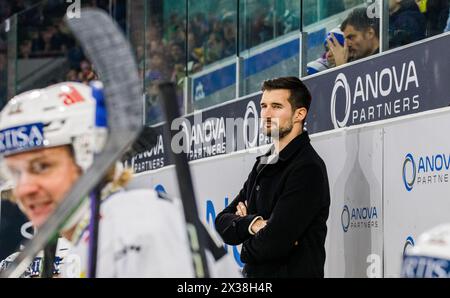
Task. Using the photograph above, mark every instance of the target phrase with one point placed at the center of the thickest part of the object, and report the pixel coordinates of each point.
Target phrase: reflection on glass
(413, 20)
(269, 44)
(317, 10)
(436, 14)
(265, 20)
(3, 65)
(47, 52)
(212, 32)
(406, 23)
(136, 33)
(163, 54)
(212, 51)
(198, 38)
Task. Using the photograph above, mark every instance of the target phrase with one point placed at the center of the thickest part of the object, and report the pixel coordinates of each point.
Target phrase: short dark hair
(300, 96)
(359, 19)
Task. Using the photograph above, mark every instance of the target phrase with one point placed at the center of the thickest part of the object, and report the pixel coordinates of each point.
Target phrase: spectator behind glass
(213, 48)
(87, 74)
(229, 35)
(177, 60)
(72, 76)
(2, 63)
(25, 49)
(361, 37)
(406, 23)
(195, 52)
(326, 61)
(291, 21)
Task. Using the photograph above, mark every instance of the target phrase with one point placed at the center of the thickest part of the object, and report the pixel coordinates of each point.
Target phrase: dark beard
(284, 131)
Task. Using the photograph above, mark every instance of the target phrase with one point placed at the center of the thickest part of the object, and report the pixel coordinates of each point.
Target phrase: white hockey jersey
(35, 268)
(140, 235)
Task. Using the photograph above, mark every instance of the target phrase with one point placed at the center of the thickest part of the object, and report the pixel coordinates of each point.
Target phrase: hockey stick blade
(111, 54)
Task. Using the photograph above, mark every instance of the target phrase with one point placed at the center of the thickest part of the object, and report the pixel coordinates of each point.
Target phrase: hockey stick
(197, 237)
(95, 198)
(112, 57)
(49, 259)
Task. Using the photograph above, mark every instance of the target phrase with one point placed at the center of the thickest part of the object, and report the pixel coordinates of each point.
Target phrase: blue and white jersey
(35, 268)
(430, 257)
(141, 235)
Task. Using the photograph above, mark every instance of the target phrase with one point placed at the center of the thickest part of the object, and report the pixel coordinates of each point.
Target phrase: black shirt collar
(298, 143)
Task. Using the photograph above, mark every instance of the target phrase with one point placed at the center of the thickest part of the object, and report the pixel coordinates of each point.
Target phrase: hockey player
(430, 257)
(48, 138)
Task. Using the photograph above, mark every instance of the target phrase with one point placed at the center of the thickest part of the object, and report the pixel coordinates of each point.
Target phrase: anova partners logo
(359, 217)
(409, 243)
(201, 138)
(425, 170)
(409, 172)
(152, 158)
(375, 96)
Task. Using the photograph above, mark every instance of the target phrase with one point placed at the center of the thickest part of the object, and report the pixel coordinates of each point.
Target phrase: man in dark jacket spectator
(280, 214)
(406, 23)
(436, 14)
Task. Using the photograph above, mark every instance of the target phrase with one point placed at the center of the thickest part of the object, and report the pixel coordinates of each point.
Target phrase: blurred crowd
(168, 53)
(42, 33)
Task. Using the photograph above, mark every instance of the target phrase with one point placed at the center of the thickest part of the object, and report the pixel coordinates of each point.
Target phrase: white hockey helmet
(430, 257)
(67, 113)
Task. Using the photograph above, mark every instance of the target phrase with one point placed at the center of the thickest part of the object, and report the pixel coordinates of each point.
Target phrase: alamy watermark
(226, 135)
(74, 9)
(374, 8)
(375, 268)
